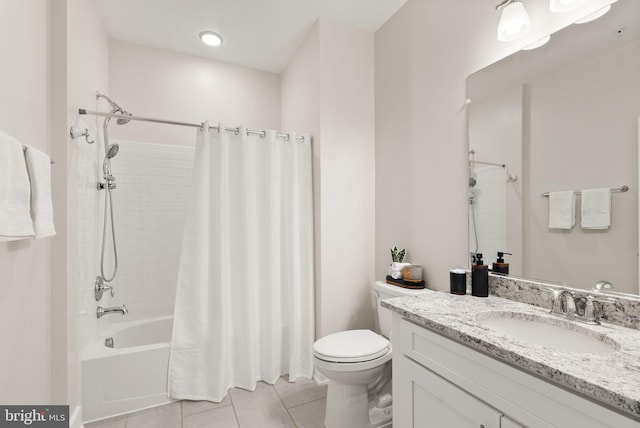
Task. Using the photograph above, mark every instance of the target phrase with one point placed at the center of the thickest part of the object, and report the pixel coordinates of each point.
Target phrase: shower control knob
(101, 287)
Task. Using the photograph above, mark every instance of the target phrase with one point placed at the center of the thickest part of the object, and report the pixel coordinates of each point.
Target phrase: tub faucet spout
(100, 312)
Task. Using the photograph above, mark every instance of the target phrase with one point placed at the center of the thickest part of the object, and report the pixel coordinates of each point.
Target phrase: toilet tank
(388, 291)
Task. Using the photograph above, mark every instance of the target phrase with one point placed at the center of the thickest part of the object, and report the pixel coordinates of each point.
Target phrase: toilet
(358, 366)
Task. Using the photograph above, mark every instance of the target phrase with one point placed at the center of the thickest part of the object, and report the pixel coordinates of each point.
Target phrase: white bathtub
(130, 376)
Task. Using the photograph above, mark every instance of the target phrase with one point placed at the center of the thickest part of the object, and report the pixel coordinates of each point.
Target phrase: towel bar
(616, 189)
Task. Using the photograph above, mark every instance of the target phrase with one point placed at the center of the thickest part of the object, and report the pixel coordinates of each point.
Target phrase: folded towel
(596, 208)
(15, 192)
(39, 169)
(562, 212)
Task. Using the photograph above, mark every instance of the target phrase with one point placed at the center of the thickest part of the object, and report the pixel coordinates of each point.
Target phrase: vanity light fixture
(563, 5)
(210, 38)
(514, 21)
(537, 43)
(595, 15)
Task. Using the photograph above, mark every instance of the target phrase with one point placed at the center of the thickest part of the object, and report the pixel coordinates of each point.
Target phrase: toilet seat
(351, 346)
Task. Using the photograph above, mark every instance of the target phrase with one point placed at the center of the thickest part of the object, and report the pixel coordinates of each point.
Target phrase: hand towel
(596, 208)
(15, 191)
(39, 169)
(562, 212)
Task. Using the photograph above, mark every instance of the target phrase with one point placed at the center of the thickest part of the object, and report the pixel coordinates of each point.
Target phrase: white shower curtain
(244, 303)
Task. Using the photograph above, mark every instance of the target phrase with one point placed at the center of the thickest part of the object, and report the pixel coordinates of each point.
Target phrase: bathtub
(130, 376)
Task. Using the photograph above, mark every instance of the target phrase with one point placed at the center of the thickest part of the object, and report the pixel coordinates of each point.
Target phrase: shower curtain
(244, 302)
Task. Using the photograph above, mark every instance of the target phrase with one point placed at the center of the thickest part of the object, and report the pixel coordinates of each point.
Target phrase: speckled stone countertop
(610, 378)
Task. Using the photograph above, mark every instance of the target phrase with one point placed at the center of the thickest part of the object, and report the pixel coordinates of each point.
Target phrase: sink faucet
(100, 312)
(563, 303)
(569, 307)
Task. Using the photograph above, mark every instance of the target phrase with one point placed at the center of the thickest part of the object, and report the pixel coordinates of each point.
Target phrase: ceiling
(261, 34)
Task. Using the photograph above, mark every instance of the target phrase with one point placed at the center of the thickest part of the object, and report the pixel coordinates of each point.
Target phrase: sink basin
(547, 331)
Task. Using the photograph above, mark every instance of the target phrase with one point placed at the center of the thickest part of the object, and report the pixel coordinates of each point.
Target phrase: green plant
(397, 256)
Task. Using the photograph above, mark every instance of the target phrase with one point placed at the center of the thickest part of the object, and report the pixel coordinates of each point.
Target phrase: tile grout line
(283, 405)
(233, 406)
(308, 402)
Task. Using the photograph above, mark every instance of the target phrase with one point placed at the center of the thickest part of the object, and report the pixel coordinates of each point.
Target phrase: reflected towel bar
(616, 189)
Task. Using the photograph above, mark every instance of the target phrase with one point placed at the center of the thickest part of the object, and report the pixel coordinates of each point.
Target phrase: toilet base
(350, 407)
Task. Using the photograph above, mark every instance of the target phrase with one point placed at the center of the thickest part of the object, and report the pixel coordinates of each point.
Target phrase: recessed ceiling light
(210, 38)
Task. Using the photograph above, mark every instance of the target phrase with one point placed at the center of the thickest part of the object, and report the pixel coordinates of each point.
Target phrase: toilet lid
(351, 346)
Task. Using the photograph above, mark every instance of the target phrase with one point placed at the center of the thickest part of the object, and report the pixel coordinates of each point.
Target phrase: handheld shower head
(112, 150)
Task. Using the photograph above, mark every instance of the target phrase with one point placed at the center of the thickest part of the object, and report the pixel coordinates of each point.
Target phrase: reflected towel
(39, 169)
(15, 191)
(596, 208)
(562, 212)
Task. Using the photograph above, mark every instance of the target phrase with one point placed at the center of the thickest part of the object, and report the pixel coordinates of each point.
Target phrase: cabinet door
(437, 403)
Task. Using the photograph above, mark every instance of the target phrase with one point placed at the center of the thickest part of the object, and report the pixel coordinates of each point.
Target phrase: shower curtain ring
(237, 131)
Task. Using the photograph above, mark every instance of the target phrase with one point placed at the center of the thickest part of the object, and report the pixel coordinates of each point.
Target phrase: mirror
(561, 117)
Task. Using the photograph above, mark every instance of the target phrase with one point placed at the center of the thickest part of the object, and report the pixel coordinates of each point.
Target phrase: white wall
(87, 72)
(25, 266)
(300, 110)
(161, 84)
(335, 69)
(423, 55)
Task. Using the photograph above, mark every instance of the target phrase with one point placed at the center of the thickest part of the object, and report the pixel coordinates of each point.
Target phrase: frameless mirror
(564, 116)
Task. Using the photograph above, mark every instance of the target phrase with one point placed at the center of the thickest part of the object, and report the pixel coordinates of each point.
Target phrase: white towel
(596, 208)
(15, 192)
(562, 211)
(39, 169)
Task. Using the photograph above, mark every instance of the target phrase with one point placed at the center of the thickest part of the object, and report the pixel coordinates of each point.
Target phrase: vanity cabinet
(438, 382)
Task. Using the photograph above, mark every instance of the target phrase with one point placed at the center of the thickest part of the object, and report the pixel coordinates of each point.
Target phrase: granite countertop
(610, 378)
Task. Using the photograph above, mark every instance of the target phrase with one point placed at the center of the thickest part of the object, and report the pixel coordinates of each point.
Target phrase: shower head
(121, 120)
(115, 108)
(472, 182)
(112, 150)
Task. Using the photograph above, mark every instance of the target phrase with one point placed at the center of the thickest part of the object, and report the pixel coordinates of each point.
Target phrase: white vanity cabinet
(438, 382)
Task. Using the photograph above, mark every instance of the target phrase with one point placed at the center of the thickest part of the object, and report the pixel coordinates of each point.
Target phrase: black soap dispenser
(479, 278)
(500, 266)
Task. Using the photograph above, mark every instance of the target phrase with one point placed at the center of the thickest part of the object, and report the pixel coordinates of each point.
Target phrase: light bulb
(514, 22)
(210, 38)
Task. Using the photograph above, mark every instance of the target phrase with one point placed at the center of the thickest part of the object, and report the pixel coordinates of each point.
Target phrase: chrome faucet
(100, 312)
(569, 307)
(563, 303)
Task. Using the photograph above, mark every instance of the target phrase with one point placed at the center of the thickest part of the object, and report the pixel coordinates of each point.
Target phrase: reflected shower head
(112, 150)
(472, 182)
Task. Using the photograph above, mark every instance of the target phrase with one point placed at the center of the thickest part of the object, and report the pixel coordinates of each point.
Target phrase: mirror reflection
(563, 117)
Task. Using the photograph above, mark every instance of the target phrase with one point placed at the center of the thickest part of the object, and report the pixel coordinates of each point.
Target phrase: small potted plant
(397, 257)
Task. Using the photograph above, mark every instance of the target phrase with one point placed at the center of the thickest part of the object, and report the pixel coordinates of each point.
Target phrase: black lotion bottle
(479, 278)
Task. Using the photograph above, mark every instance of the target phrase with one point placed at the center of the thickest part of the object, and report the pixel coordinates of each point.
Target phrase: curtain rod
(262, 133)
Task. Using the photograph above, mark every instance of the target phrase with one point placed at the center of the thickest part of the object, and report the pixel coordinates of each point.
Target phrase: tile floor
(283, 405)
